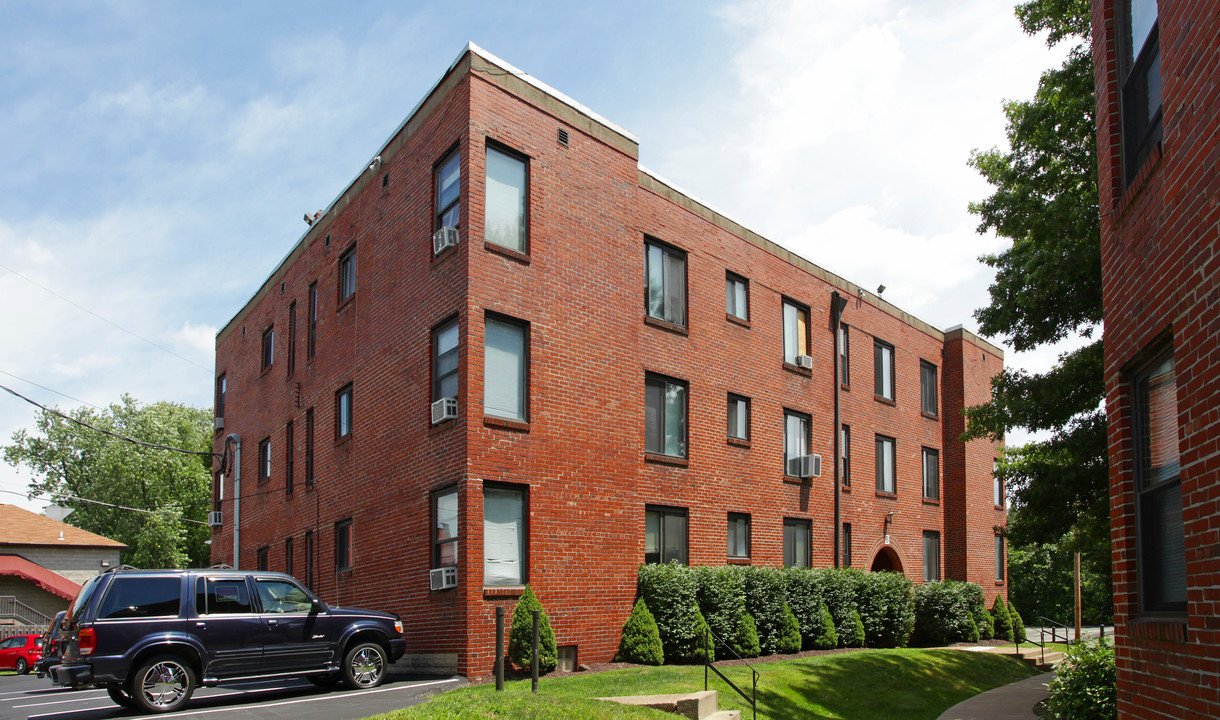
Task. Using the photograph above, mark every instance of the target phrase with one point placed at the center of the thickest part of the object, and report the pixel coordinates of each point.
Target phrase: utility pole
(1076, 578)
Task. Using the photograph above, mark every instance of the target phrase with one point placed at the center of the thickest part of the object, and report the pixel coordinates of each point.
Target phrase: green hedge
(671, 594)
(1085, 686)
(839, 588)
(944, 612)
(722, 601)
(764, 588)
(885, 601)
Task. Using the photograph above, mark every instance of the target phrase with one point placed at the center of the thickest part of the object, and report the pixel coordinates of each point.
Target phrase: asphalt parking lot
(26, 697)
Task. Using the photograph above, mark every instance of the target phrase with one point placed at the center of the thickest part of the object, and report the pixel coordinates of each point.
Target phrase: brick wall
(1159, 263)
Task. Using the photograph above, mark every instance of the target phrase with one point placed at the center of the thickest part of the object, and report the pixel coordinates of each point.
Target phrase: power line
(44, 387)
(52, 496)
(109, 322)
(155, 446)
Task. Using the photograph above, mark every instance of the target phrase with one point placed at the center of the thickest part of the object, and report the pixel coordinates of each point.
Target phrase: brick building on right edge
(1158, 134)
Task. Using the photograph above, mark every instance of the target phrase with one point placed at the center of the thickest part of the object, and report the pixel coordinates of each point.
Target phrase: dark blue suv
(151, 636)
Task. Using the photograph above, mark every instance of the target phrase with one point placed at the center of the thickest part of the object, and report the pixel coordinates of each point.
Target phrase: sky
(156, 158)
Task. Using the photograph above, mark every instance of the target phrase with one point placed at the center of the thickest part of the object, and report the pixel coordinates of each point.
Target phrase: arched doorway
(886, 561)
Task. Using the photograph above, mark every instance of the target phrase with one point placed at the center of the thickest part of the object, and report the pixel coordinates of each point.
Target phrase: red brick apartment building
(509, 354)
(1158, 123)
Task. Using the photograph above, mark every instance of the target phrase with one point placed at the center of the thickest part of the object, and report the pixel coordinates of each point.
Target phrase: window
(1141, 77)
(221, 386)
(347, 276)
(796, 440)
(445, 361)
(999, 558)
(931, 474)
(309, 476)
(796, 331)
(883, 369)
(445, 524)
(931, 556)
(666, 290)
(288, 549)
(885, 464)
(997, 484)
(309, 559)
(739, 535)
(739, 417)
(846, 545)
(927, 388)
(664, 416)
(289, 465)
(504, 536)
(268, 347)
(264, 459)
(222, 596)
(282, 596)
(505, 362)
(736, 297)
(313, 320)
(264, 559)
(1159, 518)
(292, 338)
(140, 597)
(844, 356)
(796, 542)
(343, 545)
(504, 201)
(664, 534)
(845, 455)
(448, 191)
(343, 412)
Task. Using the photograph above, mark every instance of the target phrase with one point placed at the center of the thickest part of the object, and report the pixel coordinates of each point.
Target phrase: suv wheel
(22, 667)
(120, 697)
(364, 666)
(162, 684)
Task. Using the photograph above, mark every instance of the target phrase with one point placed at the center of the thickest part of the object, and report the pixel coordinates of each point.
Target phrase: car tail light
(398, 626)
(86, 640)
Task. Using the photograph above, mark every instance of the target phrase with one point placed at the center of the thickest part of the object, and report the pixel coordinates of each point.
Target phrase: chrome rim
(164, 684)
(367, 665)
(21, 666)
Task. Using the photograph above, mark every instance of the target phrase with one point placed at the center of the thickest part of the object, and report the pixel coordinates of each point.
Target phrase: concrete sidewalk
(1015, 701)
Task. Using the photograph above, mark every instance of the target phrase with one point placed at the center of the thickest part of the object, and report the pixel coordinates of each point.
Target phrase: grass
(882, 684)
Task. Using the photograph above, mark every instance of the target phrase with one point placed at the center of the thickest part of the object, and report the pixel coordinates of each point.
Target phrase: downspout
(837, 304)
(237, 497)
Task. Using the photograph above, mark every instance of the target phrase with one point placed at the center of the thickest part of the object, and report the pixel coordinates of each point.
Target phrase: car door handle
(201, 624)
(273, 621)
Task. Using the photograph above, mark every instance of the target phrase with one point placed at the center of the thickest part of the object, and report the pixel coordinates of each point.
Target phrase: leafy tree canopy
(70, 461)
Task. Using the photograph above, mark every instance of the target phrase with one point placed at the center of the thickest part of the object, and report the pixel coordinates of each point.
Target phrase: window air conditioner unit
(804, 361)
(443, 578)
(805, 466)
(219, 423)
(443, 238)
(444, 409)
(214, 518)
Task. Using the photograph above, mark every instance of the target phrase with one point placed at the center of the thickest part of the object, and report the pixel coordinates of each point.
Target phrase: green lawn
(882, 684)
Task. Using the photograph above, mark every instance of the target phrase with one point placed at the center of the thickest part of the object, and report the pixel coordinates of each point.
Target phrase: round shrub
(943, 613)
(521, 635)
(852, 635)
(1084, 687)
(823, 635)
(1003, 621)
(886, 604)
(670, 591)
(790, 632)
(1018, 625)
(987, 627)
(641, 641)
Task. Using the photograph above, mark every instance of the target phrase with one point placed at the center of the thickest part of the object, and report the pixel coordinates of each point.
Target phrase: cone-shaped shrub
(1018, 625)
(987, 627)
(789, 633)
(746, 643)
(670, 591)
(1003, 621)
(853, 633)
(641, 641)
(978, 608)
(722, 602)
(704, 645)
(520, 637)
(824, 636)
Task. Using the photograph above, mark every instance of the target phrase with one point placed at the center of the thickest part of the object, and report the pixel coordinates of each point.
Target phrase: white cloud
(199, 339)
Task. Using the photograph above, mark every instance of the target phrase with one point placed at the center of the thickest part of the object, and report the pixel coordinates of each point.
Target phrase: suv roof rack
(220, 566)
(122, 568)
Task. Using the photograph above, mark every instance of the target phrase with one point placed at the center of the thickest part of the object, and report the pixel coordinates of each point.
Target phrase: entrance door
(886, 561)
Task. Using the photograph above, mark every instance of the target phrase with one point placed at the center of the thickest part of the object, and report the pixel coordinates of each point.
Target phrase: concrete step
(725, 715)
(694, 706)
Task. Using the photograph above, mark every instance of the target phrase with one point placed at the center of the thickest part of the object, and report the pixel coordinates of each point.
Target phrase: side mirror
(317, 606)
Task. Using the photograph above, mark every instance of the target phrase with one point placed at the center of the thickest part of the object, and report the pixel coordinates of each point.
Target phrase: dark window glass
(504, 202)
(504, 535)
(222, 596)
(997, 484)
(343, 545)
(739, 535)
(505, 368)
(928, 392)
(846, 544)
(282, 596)
(796, 542)
(845, 455)
(666, 286)
(736, 296)
(313, 320)
(931, 474)
(221, 387)
(309, 559)
(883, 369)
(309, 476)
(288, 559)
(664, 534)
(289, 451)
(264, 459)
(1141, 89)
(343, 412)
(448, 191)
(347, 276)
(999, 558)
(885, 464)
(739, 417)
(796, 331)
(1160, 531)
(137, 597)
(796, 440)
(268, 347)
(264, 558)
(292, 338)
(445, 361)
(664, 416)
(931, 556)
(844, 355)
(445, 523)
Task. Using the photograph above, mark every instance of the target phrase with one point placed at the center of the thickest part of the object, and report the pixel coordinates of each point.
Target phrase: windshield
(82, 598)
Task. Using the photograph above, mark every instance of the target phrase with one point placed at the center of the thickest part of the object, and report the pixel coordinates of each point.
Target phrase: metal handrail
(711, 656)
(11, 607)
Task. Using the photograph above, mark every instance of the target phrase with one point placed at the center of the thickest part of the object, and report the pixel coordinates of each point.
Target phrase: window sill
(507, 252)
(344, 303)
(505, 423)
(665, 325)
(797, 369)
(666, 460)
(845, 386)
(738, 561)
(738, 442)
(1132, 191)
(263, 373)
(1158, 629)
(345, 573)
(503, 591)
(930, 416)
(441, 427)
(931, 501)
(792, 479)
(886, 495)
(845, 488)
(343, 440)
(1001, 508)
(737, 321)
(885, 401)
(439, 257)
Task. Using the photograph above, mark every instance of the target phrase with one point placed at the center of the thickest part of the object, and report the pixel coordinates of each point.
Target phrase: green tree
(521, 635)
(640, 642)
(1047, 288)
(71, 462)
